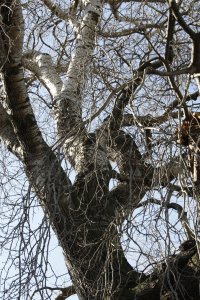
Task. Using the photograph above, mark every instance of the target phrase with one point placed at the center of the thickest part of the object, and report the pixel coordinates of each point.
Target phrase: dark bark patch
(12, 71)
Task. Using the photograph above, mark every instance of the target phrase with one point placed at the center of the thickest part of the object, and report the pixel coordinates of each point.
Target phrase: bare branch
(42, 66)
(170, 73)
(176, 102)
(148, 120)
(167, 172)
(56, 10)
(137, 29)
(68, 104)
(19, 105)
(40, 162)
(169, 55)
(65, 292)
(8, 135)
(181, 214)
(175, 8)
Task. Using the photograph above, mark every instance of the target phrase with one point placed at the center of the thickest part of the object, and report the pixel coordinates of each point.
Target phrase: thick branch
(140, 29)
(42, 66)
(18, 102)
(66, 293)
(162, 283)
(148, 120)
(7, 134)
(41, 165)
(170, 73)
(169, 54)
(56, 10)
(174, 6)
(176, 102)
(70, 104)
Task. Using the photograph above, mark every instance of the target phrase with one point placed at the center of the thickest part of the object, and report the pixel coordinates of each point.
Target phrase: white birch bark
(68, 109)
(86, 228)
(7, 134)
(41, 65)
(19, 128)
(68, 97)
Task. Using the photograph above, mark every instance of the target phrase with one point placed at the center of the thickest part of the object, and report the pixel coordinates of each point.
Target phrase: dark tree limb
(162, 283)
(66, 293)
(169, 53)
(174, 104)
(175, 8)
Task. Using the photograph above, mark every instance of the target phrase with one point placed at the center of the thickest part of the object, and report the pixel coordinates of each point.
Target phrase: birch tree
(107, 89)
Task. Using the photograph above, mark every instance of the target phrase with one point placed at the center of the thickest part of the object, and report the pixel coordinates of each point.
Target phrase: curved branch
(56, 10)
(65, 292)
(176, 102)
(181, 214)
